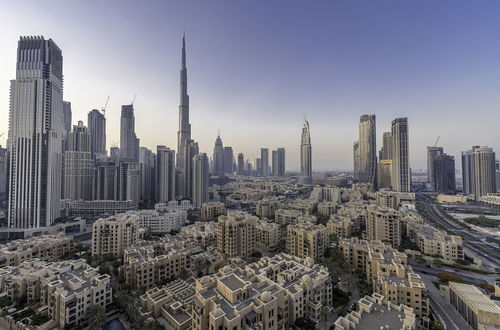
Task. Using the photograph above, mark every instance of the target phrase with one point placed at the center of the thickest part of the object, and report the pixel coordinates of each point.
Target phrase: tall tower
(368, 150)
(443, 172)
(200, 179)
(264, 158)
(129, 143)
(184, 133)
(228, 161)
(400, 178)
(35, 134)
(432, 155)
(165, 174)
(97, 129)
(67, 114)
(190, 151)
(78, 165)
(218, 158)
(241, 164)
(484, 171)
(355, 156)
(147, 162)
(467, 172)
(306, 155)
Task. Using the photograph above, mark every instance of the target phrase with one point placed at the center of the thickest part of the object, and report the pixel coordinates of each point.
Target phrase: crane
(133, 100)
(437, 140)
(103, 109)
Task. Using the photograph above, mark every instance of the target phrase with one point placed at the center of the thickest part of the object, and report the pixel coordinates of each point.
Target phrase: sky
(256, 68)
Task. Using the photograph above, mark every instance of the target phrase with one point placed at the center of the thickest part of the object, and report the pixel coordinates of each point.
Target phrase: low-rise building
(393, 199)
(442, 198)
(161, 221)
(435, 242)
(212, 210)
(478, 310)
(183, 205)
(202, 233)
(45, 248)
(114, 234)
(65, 289)
(307, 240)
(268, 235)
(376, 312)
(269, 294)
(491, 199)
(96, 207)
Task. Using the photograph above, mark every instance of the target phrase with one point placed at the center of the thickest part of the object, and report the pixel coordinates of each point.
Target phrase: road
(474, 242)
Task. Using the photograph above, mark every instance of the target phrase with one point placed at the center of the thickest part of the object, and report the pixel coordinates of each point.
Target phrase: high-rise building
(384, 171)
(129, 182)
(184, 132)
(355, 155)
(368, 150)
(386, 151)
(236, 234)
(106, 187)
(4, 173)
(114, 154)
(307, 240)
(264, 158)
(35, 134)
(218, 158)
(115, 234)
(201, 179)
(97, 129)
(165, 174)
(432, 154)
(147, 162)
(67, 118)
(281, 167)
(443, 171)
(306, 155)
(400, 178)
(467, 172)
(497, 174)
(129, 143)
(241, 164)
(190, 151)
(78, 165)
(484, 171)
(228, 160)
(258, 166)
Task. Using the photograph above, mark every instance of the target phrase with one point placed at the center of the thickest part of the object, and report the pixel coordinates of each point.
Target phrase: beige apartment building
(212, 210)
(114, 234)
(45, 248)
(393, 199)
(477, 309)
(66, 288)
(202, 233)
(269, 294)
(287, 216)
(268, 235)
(307, 240)
(327, 208)
(375, 312)
(266, 208)
(341, 226)
(435, 242)
(236, 234)
(384, 224)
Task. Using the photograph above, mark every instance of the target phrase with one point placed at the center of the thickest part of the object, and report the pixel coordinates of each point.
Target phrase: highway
(474, 242)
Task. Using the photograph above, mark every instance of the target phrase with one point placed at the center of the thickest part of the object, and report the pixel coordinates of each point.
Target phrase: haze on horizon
(255, 69)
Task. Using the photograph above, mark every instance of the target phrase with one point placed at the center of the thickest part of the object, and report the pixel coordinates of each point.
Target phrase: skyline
(227, 81)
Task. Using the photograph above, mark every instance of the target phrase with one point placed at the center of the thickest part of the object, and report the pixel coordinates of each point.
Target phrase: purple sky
(255, 68)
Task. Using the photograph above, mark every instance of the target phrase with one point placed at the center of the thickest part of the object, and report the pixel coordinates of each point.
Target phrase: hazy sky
(255, 68)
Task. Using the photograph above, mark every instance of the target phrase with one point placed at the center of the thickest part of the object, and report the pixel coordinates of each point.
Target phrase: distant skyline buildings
(401, 176)
(96, 122)
(129, 143)
(368, 150)
(165, 174)
(201, 179)
(306, 154)
(218, 158)
(484, 169)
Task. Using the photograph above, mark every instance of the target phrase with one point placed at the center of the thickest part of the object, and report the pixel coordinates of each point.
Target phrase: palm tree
(96, 316)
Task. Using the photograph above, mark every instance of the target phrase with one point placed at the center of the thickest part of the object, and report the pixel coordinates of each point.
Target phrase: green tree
(96, 316)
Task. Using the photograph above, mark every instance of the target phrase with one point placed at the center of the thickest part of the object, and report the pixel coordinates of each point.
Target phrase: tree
(447, 277)
(96, 316)
(325, 313)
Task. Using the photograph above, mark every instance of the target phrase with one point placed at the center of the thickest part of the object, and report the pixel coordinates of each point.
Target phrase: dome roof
(306, 278)
(266, 296)
(309, 261)
(205, 280)
(227, 269)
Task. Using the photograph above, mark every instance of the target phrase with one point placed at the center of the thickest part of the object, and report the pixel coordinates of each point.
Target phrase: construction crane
(133, 100)
(437, 140)
(103, 109)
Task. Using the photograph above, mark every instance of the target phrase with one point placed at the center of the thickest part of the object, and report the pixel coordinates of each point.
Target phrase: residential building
(96, 122)
(182, 205)
(393, 199)
(105, 180)
(306, 154)
(468, 185)
(45, 248)
(267, 234)
(236, 234)
(147, 162)
(241, 165)
(129, 143)
(307, 240)
(212, 210)
(67, 119)
(129, 181)
(368, 150)
(287, 216)
(341, 225)
(386, 150)
(384, 171)
(384, 224)
(484, 171)
(35, 168)
(114, 234)
(266, 208)
(444, 174)
(97, 207)
(228, 161)
(201, 179)
(356, 164)
(218, 158)
(278, 162)
(327, 208)
(201, 233)
(432, 154)
(264, 158)
(190, 151)
(165, 174)
(4, 173)
(161, 222)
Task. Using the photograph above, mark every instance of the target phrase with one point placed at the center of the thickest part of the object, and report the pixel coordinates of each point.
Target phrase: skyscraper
(467, 172)
(400, 178)
(367, 150)
(129, 181)
(432, 154)
(78, 165)
(67, 117)
(443, 171)
(386, 151)
(201, 179)
(35, 134)
(278, 162)
(147, 162)
(190, 151)
(97, 129)
(184, 133)
(165, 174)
(218, 158)
(106, 176)
(484, 171)
(129, 143)
(306, 155)
(4, 173)
(264, 158)
(355, 155)
(228, 160)
(241, 164)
